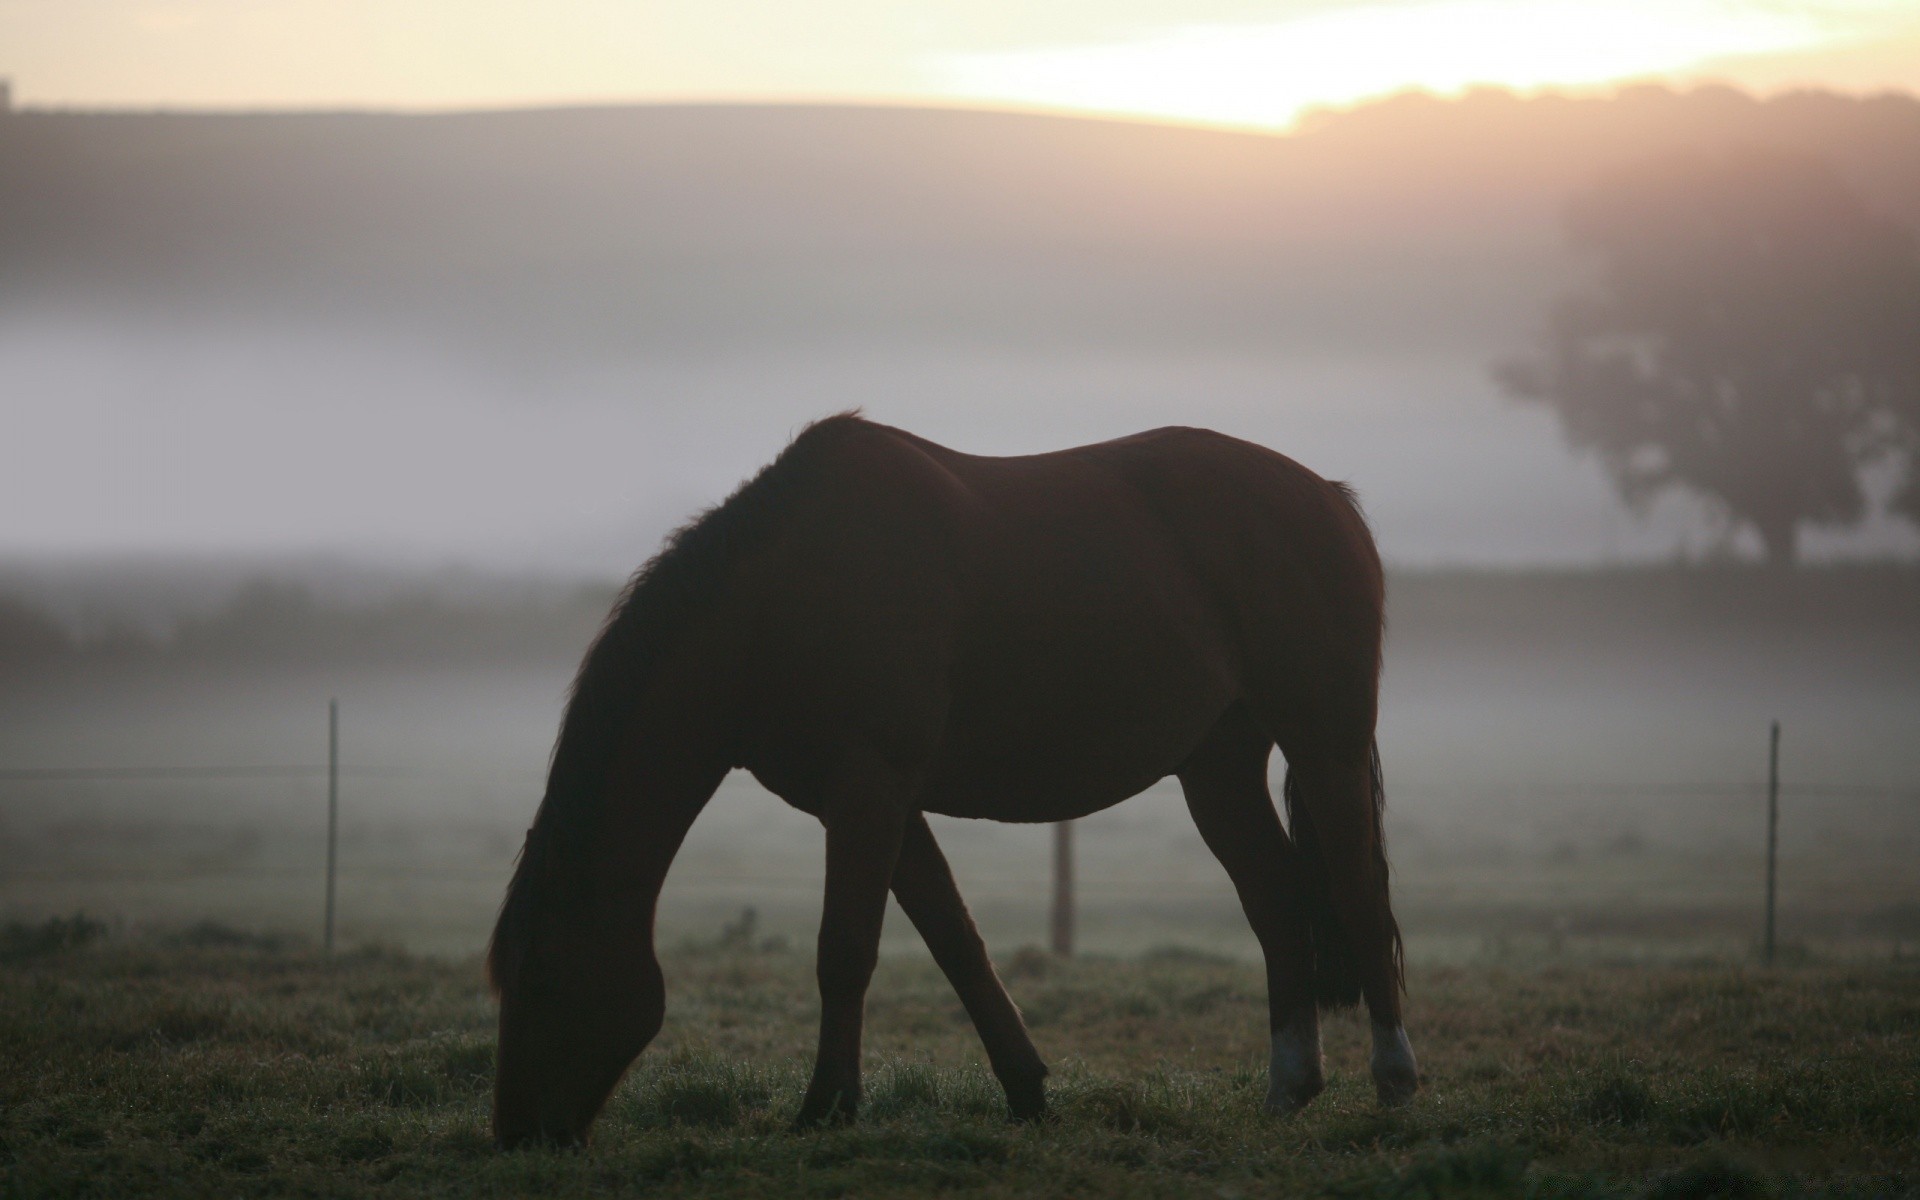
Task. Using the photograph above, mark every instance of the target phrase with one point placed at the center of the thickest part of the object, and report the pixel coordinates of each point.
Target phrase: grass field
(1576, 821)
(209, 1063)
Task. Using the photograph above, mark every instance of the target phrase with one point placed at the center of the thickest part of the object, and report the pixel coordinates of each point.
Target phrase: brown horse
(878, 627)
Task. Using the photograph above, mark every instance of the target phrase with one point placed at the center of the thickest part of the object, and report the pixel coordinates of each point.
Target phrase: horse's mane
(674, 585)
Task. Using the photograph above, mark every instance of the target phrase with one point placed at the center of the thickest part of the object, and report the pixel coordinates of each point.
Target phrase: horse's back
(1057, 631)
(1259, 551)
(1290, 565)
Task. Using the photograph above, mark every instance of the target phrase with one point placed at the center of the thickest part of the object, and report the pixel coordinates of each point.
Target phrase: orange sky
(1236, 62)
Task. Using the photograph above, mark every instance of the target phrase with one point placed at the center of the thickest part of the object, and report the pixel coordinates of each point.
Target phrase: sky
(1247, 63)
(141, 439)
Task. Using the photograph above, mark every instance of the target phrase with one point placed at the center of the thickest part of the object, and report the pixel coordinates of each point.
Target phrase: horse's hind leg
(1225, 783)
(923, 884)
(864, 813)
(1333, 799)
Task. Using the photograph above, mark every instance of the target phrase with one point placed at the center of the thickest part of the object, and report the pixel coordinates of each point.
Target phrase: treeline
(275, 624)
(1693, 601)
(270, 624)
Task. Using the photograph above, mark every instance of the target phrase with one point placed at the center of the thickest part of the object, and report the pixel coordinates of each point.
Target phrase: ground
(208, 1063)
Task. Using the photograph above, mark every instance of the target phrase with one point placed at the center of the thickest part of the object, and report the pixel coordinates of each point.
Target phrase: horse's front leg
(864, 814)
(923, 884)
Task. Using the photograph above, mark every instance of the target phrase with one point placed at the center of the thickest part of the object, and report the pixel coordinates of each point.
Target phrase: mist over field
(1575, 763)
(383, 407)
(537, 340)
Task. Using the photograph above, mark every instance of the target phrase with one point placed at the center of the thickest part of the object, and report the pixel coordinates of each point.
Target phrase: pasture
(206, 1062)
(1576, 821)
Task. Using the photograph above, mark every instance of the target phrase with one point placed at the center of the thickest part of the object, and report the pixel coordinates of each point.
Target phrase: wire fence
(1070, 880)
(275, 771)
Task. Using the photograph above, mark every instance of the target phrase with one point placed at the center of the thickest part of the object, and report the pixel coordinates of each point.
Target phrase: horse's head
(581, 995)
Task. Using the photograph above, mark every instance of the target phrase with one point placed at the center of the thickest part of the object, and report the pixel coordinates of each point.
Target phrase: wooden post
(333, 810)
(1773, 834)
(1063, 889)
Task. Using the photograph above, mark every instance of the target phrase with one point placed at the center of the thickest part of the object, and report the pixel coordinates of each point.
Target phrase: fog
(536, 340)
(141, 441)
(1575, 760)
(448, 380)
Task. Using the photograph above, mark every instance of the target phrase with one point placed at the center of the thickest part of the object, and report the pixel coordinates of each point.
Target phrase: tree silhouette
(1753, 335)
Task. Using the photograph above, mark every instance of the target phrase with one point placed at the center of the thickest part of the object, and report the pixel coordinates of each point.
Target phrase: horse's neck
(645, 766)
(659, 777)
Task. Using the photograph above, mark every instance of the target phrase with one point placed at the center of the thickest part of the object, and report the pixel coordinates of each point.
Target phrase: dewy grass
(203, 1066)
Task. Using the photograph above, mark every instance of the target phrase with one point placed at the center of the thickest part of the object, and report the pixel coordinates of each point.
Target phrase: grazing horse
(877, 628)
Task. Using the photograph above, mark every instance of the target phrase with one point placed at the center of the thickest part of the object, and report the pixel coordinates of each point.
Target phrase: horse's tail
(1338, 969)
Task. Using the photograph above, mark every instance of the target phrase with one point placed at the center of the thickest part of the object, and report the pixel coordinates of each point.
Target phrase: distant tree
(1753, 336)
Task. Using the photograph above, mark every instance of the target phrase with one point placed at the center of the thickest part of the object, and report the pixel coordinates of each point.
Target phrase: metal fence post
(1063, 888)
(333, 810)
(1773, 833)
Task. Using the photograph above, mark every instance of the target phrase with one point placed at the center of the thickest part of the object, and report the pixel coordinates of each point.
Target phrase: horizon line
(1304, 122)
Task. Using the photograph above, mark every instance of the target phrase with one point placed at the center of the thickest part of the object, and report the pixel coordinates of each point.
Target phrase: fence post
(1773, 833)
(1063, 888)
(333, 810)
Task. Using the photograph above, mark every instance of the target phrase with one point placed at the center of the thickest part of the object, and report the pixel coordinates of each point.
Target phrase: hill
(542, 235)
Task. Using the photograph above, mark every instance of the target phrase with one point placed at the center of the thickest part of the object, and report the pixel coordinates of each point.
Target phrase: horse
(878, 627)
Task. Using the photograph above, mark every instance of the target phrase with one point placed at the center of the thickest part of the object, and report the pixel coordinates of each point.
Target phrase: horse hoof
(1286, 1101)
(1027, 1103)
(538, 1140)
(1397, 1092)
(1297, 1071)
(816, 1112)
(832, 1118)
(1396, 1073)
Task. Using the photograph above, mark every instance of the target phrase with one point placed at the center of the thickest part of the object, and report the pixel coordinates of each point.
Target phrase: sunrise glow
(1267, 74)
(1245, 63)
